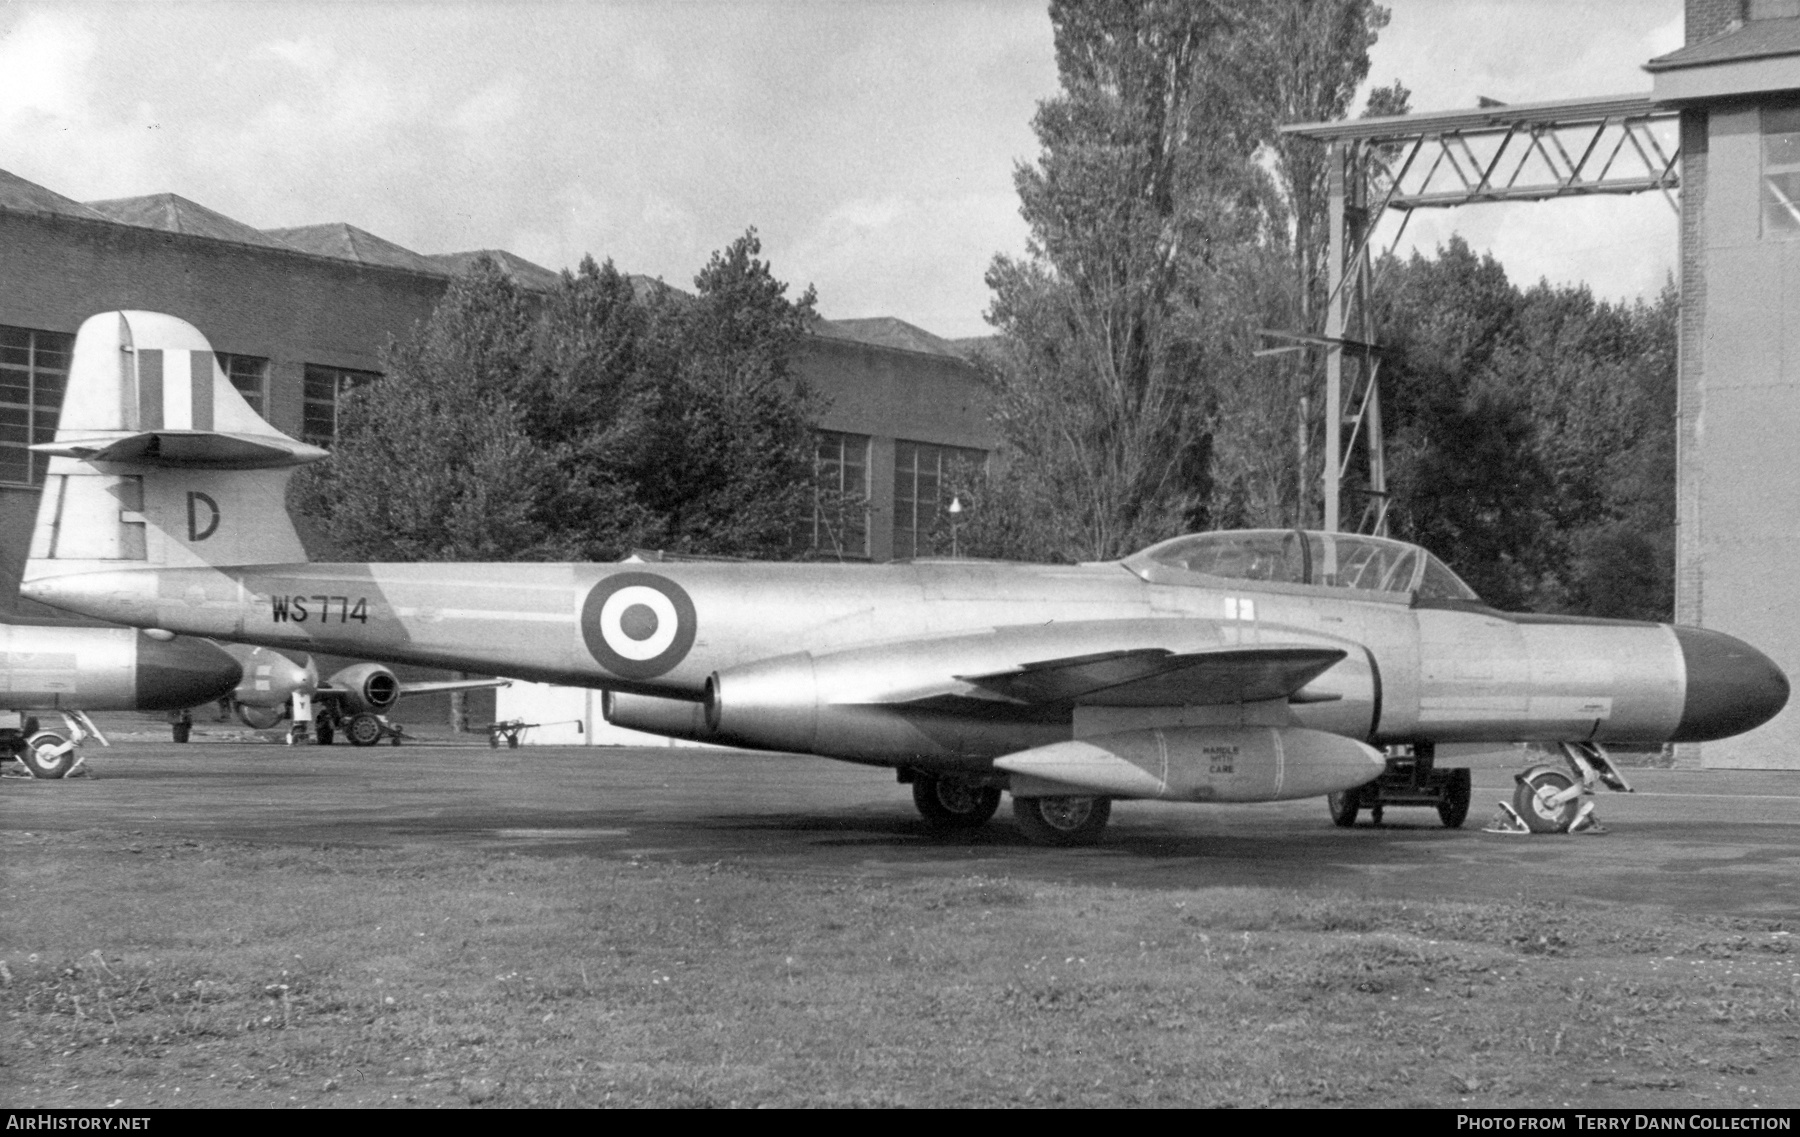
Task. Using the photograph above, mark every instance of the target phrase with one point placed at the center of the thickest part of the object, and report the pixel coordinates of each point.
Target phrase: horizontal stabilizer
(1154, 677)
(187, 449)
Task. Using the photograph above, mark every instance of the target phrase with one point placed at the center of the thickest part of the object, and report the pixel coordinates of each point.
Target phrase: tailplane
(158, 462)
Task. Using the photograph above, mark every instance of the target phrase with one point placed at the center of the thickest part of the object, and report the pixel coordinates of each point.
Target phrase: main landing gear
(950, 802)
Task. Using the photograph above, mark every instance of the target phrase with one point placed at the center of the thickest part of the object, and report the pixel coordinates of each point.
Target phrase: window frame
(42, 408)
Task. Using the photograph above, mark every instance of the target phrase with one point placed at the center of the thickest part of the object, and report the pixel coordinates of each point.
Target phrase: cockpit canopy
(1303, 557)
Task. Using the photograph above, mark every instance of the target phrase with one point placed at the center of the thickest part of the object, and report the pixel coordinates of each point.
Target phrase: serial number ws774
(320, 609)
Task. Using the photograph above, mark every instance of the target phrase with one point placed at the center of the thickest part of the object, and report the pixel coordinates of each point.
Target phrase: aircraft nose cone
(182, 672)
(1731, 687)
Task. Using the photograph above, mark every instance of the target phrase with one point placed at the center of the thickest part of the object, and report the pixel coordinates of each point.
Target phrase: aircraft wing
(327, 690)
(1155, 677)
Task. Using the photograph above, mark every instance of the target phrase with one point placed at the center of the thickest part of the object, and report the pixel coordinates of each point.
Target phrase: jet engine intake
(1245, 763)
(368, 688)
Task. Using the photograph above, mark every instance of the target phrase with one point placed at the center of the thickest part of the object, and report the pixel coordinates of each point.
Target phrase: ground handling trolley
(1410, 779)
(511, 729)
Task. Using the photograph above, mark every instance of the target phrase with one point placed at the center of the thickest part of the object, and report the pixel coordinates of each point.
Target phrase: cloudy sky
(871, 144)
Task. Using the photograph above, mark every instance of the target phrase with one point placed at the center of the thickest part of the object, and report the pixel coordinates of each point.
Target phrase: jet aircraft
(355, 701)
(1220, 667)
(69, 671)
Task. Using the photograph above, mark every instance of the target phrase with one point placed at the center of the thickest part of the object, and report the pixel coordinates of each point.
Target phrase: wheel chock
(1586, 823)
(1507, 820)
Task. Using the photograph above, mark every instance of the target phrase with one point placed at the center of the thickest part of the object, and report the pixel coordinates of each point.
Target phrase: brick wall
(1707, 18)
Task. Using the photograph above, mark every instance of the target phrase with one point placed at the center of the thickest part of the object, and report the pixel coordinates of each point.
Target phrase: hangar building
(298, 313)
(1736, 83)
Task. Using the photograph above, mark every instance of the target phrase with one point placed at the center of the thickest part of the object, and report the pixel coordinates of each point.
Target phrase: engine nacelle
(844, 706)
(1214, 763)
(367, 687)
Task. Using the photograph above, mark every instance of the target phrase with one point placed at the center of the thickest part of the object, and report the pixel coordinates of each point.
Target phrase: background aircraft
(69, 671)
(1220, 667)
(354, 702)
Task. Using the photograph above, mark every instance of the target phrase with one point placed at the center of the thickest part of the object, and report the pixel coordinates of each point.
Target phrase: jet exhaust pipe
(1241, 763)
(671, 718)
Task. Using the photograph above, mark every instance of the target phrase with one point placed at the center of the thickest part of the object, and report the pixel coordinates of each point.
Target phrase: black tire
(1538, 818)
(1459, 788)
(951, 803)
(323, 733)
(363, 729)
(1062, 821)
(181, 731)
(49, 755)
(1344, 806)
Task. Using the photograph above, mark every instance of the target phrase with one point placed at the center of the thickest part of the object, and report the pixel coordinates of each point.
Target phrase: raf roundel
(638, 625)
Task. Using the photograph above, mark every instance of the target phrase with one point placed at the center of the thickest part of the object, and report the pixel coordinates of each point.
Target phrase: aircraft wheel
(1459, 787)
(1344, 806)
(323, 733)
(951, 803)
(1062, 821)
(181, 730)
(1532, 795)
(363, 729)
(49, 755)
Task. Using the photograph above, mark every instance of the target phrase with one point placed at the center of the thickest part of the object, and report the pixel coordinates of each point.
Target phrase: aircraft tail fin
(158, 462)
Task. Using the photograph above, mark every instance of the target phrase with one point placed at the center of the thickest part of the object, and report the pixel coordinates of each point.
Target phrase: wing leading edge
(1156, 677)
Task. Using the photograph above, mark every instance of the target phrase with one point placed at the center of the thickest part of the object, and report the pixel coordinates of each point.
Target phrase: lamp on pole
(955, 512)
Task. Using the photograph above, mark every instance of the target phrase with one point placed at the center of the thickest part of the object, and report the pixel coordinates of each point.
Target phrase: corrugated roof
(28, 197)
(1755, 39)
(887, 331)
(175, 214)
(348, 243)
(523, 272)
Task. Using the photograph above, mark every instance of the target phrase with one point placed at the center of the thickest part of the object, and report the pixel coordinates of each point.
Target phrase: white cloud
(43, 66)
(307, 53)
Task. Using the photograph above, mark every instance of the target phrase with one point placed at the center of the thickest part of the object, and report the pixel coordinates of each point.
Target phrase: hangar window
(34, 365)
(839, 525)
(1781, 172)
(323, 390)
(250, 375)
(925, 479)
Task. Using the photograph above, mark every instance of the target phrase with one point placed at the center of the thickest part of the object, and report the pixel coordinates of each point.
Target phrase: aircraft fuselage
(879, 640)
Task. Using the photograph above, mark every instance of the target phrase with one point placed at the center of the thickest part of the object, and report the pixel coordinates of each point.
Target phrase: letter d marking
(199, 530)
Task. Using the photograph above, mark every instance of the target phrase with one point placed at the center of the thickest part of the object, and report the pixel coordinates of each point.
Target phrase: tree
(734, 468)
(1531, 434)
(1315, 54)
(580, 425)
(1141, 207)
(432, 461)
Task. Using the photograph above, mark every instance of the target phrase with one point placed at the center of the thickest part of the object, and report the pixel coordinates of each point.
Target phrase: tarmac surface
(1717, 842)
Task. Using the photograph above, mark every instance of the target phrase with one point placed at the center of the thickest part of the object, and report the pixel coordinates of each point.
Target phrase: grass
(140, 972)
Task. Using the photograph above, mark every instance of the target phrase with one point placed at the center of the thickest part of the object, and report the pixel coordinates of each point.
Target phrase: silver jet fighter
(1223, 667)
(69, 671)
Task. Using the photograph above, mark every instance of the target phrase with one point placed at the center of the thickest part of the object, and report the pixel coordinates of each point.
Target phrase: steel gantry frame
(1494, 153)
